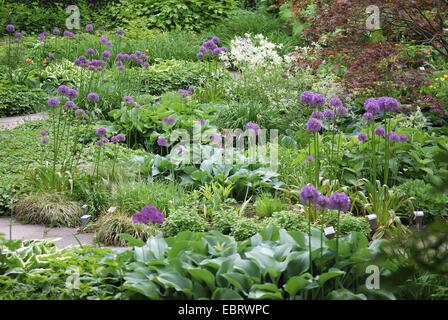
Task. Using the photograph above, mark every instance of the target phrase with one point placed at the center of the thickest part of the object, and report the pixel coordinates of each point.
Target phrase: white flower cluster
(253, 52)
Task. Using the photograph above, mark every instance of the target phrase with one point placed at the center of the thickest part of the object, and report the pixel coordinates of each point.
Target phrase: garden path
(12, 122)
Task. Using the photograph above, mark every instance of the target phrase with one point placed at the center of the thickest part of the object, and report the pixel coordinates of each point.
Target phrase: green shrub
(290, 220)
(265, 205)
(223, 220)
(183, 219)
(94, 193)
(20, 100)
(347, 223)
(245, 228)
(170, 14)
(110, 226)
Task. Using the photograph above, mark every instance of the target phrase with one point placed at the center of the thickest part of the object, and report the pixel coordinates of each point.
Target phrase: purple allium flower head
(391, 104)
(53, 102)
(309, 158)
(146, 65)
(56, 31)
(101, 131)
(18, 35)
(41, 36)
(341, 111)
(118, 138)
(63, 89)
(90, 51)
(72, 93)
(253, 126)
(129, 100)
(199, 56)
(120, 32)
(70, 105)
(403, 138)
(336, 102)
(380, 131)
(307, 97)
(318, 100)
(120, 65)
(161, 142)
(44, 133)
(68, 34)
(104, 40)
(168, 120)
(148, 214)
(309, 194)
(367, 116)
(216, 51)
(372, 106)
(89, 27)
(317, 115)
(109, 43)
(93, 97)
(10, 28)
(216, 39)
(202, 49)
(323, 202)
(362, 137)
(80, 113)
(102, 142)
(339, 201)
(201, 122)
(106, 54)
(44, 141)
(394, 137)
(329, 114)
(313, 125)
(184, 92)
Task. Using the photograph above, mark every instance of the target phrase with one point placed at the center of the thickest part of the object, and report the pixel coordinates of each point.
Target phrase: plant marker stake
(373, 221)
(329, 232)
(419, 219)
(111, 209)
(84, 220)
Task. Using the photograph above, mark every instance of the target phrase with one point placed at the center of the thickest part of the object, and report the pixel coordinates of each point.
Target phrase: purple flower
(329, 114)
(104, 40)
(362, 137)
(70, 105)
(68, 34)
(89, 27)
(161, 142)
(72, 93)
(63, 89)
(44, 141)
(318, 100)
(339, 201)
(53, 102)
(309, 158)
(148, 214)
(90, 51)
(202, 49)
(323, 202)
(56, 31)
(216, 138)
(336, 102)
(109, 43)
(391, 104)
(120, 32)
(41, 36)
(129, 100)
(216, 39)
(18, 35)
(102, 142)
(307, 97)
(120, 65)
(106, 54)
(10, 28)
(168, 120)
(317, 115)
(93, 97)
(380, 131)
(80, 113)
(314, 125)
(201, 122)
(403, 138)
(372, 106)
(253, 126)
(341, 111)
(309, 194)
(367, 116)
(184, 92)
(394, 137)
(101, 131)
(118, 138)
(44, 133)
(199, 56)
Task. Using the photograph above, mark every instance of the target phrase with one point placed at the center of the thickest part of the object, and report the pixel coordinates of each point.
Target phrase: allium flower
(93, 97)
(104, 40)
(317, 115)
(309, 194)
(367, 116)
(53, 102)
(56, 31)
(391, 104)
(168, 120)
(184, 92)
(199, 56)
(18, 35)
(109, 43)
(202, 49)
(336, 102)
(309, 158)
(161, 142)
(313, 125)
(106, 54)
(41, 36)
(145, 65)
(68, 34)
(118, 138)
(72, 93)
(339, 201)
(101, 131)
(148, 214)
(120, 65)
(307, 97)
(120, 33)
(362, 137)
(201, 122)
(63, 89)
(90, 51)
(403, 138)
(44, 133)
(216, 39)
(253, 126)
(44, 141)
(394, 137)
(341, 111)
(380, 131)
(371, 106)
(329, 114)
(10, 28)
(70, 105)
(129, 100)
(323, 202)
(89, 27)
(80, 113)
(102, 142)
(318, 100)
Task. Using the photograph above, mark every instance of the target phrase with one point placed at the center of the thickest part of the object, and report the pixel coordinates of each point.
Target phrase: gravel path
(12, 122)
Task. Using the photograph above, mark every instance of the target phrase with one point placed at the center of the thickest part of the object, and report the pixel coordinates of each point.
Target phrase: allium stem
(309, 236)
